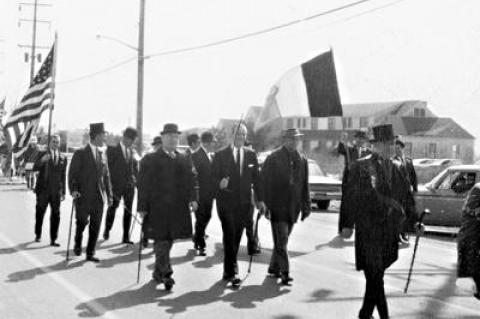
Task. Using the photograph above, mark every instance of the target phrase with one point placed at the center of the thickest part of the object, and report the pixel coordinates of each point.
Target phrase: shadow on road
(20, 247)
(32, 273)
(336, 242)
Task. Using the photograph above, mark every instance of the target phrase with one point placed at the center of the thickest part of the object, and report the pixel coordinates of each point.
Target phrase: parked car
(323, 188)
(445, 194)
(428, 168)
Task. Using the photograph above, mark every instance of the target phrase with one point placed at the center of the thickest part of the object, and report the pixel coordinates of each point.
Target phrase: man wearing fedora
(236, 172)
(373, 181)
(202, 160)
(90, 187)
(193, 141)
(350, 154)
(408, 201)
(156, 143)
(167, 191)
(123, 168)
(287, 197)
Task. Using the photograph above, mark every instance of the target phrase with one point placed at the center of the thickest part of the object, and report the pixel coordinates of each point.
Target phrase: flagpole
(54, 71)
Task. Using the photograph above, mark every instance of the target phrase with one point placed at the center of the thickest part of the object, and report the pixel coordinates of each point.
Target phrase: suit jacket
(166, 186)
(239, 190)
(373, 206)
(286, 188)
(89, 177)
(408, 172)
(51, 177)
(123, 173)
(353, 154)
(206, 180)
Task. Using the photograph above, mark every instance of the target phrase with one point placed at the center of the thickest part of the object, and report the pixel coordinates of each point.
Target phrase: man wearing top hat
(287, 197)
(408, 201)
(373, 208)
(202, 160)
(350, 155)
(89, 184)
(167, 191)
(50, 188)
(236, 172)
(123, 168)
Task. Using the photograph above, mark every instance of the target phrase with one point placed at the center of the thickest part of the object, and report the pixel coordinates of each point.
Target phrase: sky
(385, 50)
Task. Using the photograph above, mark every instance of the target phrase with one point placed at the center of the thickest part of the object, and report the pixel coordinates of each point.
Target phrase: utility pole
(141, 25)
(34, 40)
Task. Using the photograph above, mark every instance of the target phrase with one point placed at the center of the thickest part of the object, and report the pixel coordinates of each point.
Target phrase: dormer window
(417, 112)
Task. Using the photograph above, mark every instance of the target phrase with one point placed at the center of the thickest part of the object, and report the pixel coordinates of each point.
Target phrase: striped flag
(309, 90)
(23, 121)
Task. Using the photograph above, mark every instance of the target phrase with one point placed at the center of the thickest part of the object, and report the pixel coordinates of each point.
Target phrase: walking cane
(140, 245)
(70, 229)
(417, 239)
(255, 236)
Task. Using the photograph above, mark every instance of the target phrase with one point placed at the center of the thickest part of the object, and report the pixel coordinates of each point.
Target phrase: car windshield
(439, 178)
(314, 169)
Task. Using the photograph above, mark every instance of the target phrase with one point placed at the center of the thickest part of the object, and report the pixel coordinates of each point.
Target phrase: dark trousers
(408, 225)
(252, 242)
(88, 214)
(202, 217)
(342, 218)
(127, 194)
(279, 261)
(43, 200)
(374, 295)
(163, 268)
(233, 222)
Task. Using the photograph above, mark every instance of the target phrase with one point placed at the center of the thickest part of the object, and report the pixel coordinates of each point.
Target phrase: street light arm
(101, 36)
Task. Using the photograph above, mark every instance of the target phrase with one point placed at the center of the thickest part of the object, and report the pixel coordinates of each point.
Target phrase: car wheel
(323, 204)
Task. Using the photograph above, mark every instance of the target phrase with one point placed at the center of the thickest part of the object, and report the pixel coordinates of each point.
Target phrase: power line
(236, 38)
(260, 32)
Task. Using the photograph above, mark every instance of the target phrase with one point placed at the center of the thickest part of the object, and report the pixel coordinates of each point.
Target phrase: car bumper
(317, 196)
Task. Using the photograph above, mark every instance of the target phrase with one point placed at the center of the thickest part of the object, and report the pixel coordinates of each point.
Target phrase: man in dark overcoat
(350, 154)
(236, 171)
(202, 161)
(287, 195)
(469, 240)
(374, 210)
(123, 168)
(167, 191)
(405, 164)
(50, 188)
(89, 184)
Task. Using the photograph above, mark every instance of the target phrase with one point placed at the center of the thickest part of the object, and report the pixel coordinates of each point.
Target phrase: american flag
(25, 117)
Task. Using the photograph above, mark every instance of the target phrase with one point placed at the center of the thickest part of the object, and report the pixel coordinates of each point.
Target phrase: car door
(446, 198)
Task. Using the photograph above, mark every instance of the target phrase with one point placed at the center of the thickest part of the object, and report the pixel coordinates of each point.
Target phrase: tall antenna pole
(34, 40)
(141, 26)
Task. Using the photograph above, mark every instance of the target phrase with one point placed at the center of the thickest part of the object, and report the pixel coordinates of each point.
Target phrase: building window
(363, 121)
(314, 123)
(347, 122)
(304, 123)
(331, 123)
(306, 146)
(408, 149)
(432, 150)
(289, 123)
(299, 123)
(418, 112)
(456, 151)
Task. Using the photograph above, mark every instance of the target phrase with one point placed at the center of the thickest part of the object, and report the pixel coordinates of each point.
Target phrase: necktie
(239, 167)
(55, 159)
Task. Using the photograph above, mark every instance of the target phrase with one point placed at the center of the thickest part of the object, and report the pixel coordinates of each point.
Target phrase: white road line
(71, 288)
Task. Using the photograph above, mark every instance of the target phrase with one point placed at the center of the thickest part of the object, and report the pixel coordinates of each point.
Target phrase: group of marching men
(377, 198)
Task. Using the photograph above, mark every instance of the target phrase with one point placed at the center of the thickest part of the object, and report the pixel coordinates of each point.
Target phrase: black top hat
(96, 129)
(383, 133)
(292, 132)
(130, 132)
(170, 128)
(207, 137)
(360, 134)
(157, 140)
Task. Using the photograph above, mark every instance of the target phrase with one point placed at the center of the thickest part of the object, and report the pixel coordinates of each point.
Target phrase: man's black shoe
(93, 259)
(235, 281)
(77, 251)
(106, 235)
(145, 242)
(477, 295)
(54, 244)
(274, 273)
(255, 251)
(168, 282)
(37, 239)
(286, 279)
(201, 252)
(127, 241)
